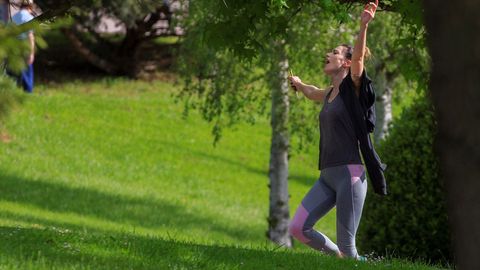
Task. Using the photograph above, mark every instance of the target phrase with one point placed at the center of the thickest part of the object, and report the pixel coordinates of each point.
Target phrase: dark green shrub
(412, 220)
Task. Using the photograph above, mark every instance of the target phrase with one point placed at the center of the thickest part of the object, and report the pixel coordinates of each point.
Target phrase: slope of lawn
(108, 175)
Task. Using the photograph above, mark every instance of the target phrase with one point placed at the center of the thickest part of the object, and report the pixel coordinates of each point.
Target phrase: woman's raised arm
(359, 48)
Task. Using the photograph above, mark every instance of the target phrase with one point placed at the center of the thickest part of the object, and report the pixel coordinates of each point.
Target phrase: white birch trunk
(383, 105)
(278, 219)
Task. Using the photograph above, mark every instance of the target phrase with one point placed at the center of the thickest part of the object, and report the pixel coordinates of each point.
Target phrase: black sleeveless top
(338, 142)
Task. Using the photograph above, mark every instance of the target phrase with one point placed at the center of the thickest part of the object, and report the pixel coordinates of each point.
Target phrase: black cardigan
(362, 112)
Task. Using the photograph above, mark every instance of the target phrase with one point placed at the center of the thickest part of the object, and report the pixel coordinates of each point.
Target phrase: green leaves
(248, 25)
(411, 11)
(223, 89)
(15, 49)
(226, 41)
(278, 6)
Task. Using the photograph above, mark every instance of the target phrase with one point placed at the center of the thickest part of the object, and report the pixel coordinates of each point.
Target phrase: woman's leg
(318, 201)
(351, 191)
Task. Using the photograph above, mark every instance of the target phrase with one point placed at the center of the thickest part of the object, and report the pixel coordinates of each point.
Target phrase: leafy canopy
(240, 25)
(226, 56)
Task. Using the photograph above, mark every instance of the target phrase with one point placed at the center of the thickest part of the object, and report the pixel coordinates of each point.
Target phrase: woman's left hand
(369, 12)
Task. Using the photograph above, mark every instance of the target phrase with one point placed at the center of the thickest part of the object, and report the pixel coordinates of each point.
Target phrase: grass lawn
(108, 175)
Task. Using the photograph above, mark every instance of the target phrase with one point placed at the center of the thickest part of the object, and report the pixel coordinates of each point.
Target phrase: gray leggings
(344, 186)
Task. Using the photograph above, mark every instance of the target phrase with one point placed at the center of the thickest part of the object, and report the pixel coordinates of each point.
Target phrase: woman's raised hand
(369, 12)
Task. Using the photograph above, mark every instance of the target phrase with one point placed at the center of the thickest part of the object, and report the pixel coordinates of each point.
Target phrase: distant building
(109, 24)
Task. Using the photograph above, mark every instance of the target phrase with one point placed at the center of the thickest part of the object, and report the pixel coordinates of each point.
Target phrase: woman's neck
(338, 77)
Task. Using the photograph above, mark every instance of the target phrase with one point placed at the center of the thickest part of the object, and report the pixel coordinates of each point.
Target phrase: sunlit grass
(108, 175)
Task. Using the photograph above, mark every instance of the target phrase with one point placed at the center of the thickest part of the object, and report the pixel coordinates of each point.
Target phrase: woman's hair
(349, 52)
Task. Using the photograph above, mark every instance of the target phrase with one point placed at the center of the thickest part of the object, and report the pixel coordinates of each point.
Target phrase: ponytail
(349, 52)
(367, 54)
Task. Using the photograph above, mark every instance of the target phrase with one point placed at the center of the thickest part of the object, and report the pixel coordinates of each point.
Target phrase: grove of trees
(266, 39)
(238, 53)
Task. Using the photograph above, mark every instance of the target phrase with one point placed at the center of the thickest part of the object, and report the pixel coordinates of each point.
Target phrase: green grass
(166, 40)
(108, 175)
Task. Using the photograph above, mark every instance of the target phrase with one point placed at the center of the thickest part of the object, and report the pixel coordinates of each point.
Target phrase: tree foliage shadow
(129, 211)
(303, 179)
(126, 251)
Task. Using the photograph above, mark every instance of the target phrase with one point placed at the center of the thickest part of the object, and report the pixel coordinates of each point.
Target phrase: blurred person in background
(26, 14)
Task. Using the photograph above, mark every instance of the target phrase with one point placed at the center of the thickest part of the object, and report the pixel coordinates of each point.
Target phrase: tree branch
(88, 54)
(50, 13)
(381, 5)
(96, 35)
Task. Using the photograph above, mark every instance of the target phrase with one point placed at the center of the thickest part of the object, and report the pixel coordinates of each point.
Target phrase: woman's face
(336, 61)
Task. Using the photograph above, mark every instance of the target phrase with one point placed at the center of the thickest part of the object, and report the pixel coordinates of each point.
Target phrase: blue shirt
(22, 17)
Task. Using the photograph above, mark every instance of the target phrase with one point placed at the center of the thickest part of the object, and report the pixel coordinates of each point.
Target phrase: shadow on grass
(137, 212)
(52, 248)
(303, 179)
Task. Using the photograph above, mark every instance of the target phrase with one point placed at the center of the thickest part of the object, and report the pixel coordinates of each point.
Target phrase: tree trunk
(383, 104)
(454, 43)
(278, 219)
(127, 51)
(90, 56)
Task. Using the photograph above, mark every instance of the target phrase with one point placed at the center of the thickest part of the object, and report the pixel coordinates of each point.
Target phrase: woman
(342, 181)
